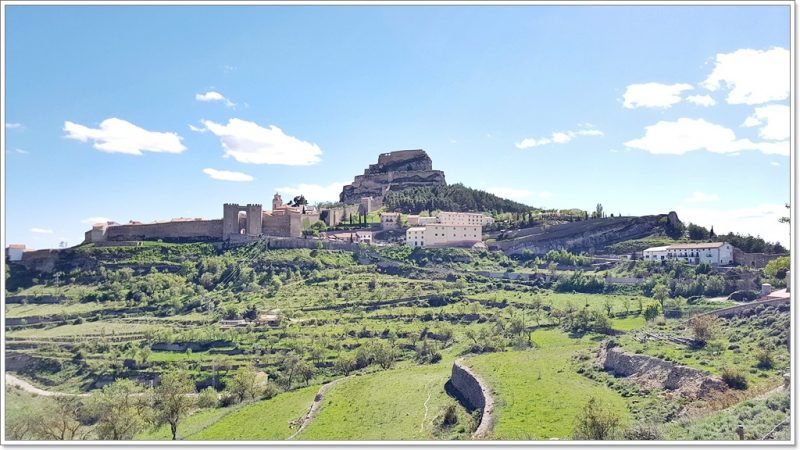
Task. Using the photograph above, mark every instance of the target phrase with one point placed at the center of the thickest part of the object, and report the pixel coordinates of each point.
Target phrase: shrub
(596, 422)
(642, 432)
(743, 296)
(207, 398)
(703, 328)
(764, 358)
(734, 378)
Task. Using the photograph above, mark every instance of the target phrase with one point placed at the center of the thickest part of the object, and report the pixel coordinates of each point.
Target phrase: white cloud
(761, 220)
(773, 163)
(42, 230)
(686, 135)
(227, 175)
(775, 119)
(197, 129)
(558, 137)
(314, 193)
(701, 100)
(21, 151)
(214, 96)
(14, 126)
(753, 76)
(249, 143)
(120, 136)
(653, 95)
(702, 197)
(453, 141)
(94, 220)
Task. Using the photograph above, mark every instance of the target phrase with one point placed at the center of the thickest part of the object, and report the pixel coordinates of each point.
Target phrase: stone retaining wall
(476, 393)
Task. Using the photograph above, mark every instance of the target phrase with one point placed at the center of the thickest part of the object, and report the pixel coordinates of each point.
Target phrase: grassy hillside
(453, 197)
(400, 404)
(537, 392)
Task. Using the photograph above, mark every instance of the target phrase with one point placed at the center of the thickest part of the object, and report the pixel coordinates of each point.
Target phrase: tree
(651, 312)
(596, 422)
(344, 364)
(697, 232)
(299, 200)
(172, 400)
(305, 370)
(703, 328)
(660, 293)
(289, 366)
(598, 212)
(244, 384)
(61, 419)
(120, 410)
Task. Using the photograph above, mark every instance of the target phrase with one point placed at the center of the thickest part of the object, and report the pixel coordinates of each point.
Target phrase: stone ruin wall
(757, 260)
(285, 225)
(476, 394)
(194, 230)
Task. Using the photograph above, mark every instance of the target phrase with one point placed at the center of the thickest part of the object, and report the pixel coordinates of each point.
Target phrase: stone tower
(277, 201)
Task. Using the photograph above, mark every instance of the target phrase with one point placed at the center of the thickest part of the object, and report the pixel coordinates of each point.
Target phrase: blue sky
(119, 112)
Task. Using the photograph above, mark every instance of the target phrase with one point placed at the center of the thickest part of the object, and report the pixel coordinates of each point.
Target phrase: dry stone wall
(654, 373)
(476, 393)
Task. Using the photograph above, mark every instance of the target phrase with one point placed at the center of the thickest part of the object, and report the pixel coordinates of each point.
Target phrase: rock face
(394, 171)
(584, 236)
(654, 373)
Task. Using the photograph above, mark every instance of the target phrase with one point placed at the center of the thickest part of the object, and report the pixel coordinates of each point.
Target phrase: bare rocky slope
(584, 236)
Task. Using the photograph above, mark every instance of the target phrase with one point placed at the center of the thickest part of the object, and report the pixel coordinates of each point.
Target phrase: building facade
(714, 253)
(443, 235)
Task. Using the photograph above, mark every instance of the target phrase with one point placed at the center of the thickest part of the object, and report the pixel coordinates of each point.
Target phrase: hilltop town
(409, 310)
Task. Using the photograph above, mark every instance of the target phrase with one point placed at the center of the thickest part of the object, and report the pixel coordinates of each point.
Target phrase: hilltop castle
(394, 171)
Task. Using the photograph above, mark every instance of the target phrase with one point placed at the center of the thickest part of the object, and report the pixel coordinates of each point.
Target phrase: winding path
(315, 405)
(11, 380)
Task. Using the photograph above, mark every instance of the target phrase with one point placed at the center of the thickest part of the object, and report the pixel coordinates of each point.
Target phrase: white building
(415, 220)
(655, 253)
(444, 235)
(715, 253)
(460, 218)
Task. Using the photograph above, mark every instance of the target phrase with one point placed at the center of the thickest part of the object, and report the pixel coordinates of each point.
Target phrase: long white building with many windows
(443, 235)
(715, 253)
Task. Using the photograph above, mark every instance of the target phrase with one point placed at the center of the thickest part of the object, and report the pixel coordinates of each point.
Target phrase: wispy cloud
(120, 136)
(227, 175)
(42, 230)
(557, 137)
(14, 126)
(249, 143)
(653, 95)
(701, 100)
(214, 96)
(752, 76)
(702, 197)
(686, 135)
(94, 220)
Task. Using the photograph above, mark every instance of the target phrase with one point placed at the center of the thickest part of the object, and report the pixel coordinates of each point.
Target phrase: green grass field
(266, 420)
(82, 329)
(398, 404)
(20, 310)
(188, 427)
(538, 394)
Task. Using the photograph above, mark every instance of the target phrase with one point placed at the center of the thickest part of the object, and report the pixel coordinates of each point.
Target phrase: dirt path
(11, 380)
(312, 411)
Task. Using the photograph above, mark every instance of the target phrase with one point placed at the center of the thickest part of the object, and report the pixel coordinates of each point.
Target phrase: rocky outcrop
(476, 394)
(584, 236)
(394, 171)
(653, 373)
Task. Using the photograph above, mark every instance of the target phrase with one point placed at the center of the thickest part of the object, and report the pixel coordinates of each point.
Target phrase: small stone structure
(757, 260)
(654, 373)
(476, 394)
